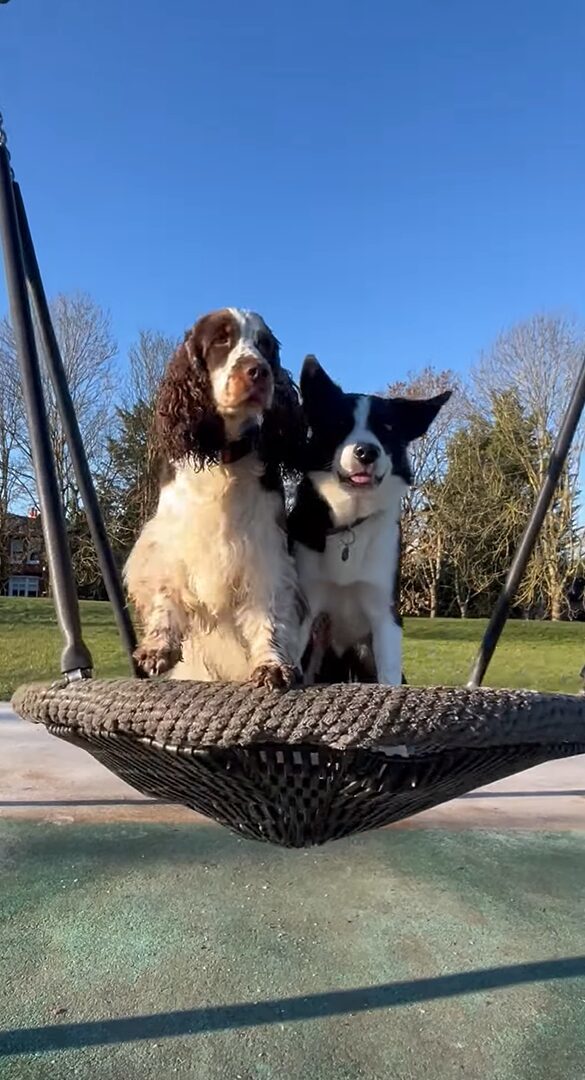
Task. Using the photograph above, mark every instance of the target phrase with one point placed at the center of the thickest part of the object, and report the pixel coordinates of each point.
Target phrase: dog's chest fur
(220, 520)
(347, 551)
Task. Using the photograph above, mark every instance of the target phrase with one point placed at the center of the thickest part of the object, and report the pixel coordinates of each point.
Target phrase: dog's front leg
(165, 624)
(154, 580)
(271, 612)
(270, 622)
(387, 649)
(272, 662)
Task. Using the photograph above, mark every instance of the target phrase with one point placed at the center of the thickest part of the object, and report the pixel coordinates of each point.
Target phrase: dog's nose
(366, 453)
(257, 371)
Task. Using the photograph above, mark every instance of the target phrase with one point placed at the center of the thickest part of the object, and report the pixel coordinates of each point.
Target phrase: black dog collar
(347, 528)
(240, 448)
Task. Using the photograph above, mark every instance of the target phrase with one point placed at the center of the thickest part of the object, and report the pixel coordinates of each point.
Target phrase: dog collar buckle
(346, 544)
(346, 532)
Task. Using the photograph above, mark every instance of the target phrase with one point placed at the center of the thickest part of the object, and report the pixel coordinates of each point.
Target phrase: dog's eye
(221, 338)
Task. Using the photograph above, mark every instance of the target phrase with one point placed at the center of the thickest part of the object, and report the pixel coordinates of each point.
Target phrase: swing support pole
(66, 409)
(528, 540)
(22, 274)
(76, 659)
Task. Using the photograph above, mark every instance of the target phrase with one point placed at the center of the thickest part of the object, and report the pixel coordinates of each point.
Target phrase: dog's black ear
(284, 429)
(412, 417)
(316, 386)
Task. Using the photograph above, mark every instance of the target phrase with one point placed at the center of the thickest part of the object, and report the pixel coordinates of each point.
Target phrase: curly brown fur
(187, 421)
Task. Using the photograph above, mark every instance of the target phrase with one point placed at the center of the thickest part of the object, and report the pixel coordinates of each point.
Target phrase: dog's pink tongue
(361, 478)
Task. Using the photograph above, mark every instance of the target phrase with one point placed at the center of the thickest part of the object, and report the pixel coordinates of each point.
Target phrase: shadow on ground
(147, 951)
(284, 1010)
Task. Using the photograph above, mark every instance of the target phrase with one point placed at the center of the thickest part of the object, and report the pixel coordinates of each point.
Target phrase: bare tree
(539, 360)
(87, 348)
(424, 536)
(131, 486)
(147, 360)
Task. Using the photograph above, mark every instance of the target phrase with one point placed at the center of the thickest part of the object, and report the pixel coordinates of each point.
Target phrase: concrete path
(138, 941)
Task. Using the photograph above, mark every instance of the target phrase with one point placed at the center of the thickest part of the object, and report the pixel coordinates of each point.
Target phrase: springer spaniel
(211, 576)
(345, 526)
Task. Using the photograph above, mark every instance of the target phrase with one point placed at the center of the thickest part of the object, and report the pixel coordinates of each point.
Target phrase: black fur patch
(356, 665)
(329, 430)
(310, 518)
(271, 479)
(382, 421)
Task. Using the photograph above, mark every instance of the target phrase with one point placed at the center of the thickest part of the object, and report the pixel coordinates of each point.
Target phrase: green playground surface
(142, 950)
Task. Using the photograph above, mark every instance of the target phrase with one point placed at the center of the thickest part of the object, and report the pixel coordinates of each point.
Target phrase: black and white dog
(345, 524)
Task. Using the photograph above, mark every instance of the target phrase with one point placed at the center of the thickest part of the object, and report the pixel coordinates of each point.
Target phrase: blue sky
(389, 183)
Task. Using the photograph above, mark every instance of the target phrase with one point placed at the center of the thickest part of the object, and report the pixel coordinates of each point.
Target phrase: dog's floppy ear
(284, 430)
(187, 422)
(412, 417)
(316, 385)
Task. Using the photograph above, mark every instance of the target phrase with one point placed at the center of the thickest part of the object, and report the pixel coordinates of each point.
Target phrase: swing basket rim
(196, 715)
(303, 767)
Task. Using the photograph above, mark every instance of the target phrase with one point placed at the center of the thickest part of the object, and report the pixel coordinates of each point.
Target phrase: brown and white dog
(210, 575)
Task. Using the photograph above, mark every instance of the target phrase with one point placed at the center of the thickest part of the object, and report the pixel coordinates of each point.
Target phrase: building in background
(24, 563)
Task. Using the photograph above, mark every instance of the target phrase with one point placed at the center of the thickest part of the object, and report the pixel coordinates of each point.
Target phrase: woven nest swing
(294, 768)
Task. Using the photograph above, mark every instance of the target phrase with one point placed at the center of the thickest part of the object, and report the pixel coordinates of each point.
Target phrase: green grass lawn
(536, 655)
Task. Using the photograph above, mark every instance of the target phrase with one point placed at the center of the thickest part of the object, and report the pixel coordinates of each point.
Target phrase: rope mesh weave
(311, 765)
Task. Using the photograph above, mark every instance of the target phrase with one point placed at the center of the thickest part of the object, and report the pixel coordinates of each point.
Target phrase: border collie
(345, 525)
